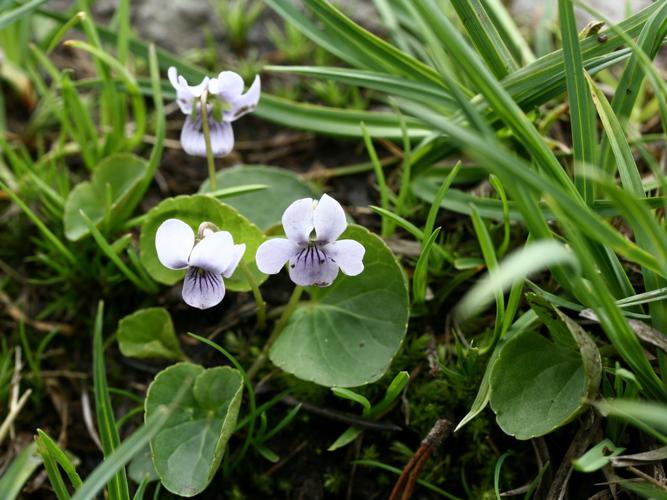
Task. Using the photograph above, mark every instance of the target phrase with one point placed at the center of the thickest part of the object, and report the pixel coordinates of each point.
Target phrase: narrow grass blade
(627, 92)
(582, 116)
(420, 91)
(52, 238)
(420, 276)
(18, 472)
(106, 425)
(19, 13)
(51, 451)
(53, 472)
(101, 241)
(115, 462)
(516, 266)
(485, 37)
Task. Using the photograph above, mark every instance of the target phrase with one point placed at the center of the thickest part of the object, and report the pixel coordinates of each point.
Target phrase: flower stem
(259, 300)
(207, 138)
(287, 314)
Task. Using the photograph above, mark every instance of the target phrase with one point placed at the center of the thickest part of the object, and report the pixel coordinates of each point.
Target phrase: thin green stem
(287, 314)
(256, 292)
(210, 160)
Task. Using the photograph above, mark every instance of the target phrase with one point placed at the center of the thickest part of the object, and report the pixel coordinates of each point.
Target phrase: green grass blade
(627, 92)
(420, 276)
(516, 266)
(517, 174)
(148, 287)
(18, 472)
(582, 115)
(114, 463)
(437, 201)
(52, 238)
(49, 448)
(625, 161)
(485, 37)
(509, 31)
(420, 91)
(53, 472)
(9, 18)
(426, 187)
(611, 317)
(387, 228)
(497, 97)
(386, 57)
(106, 424)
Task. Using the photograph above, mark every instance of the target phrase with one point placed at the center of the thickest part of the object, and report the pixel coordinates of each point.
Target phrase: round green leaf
(188, 450)
(148, 333)
(265, 208)
(110, 193)
(348, 333)
(537, 386)
(195, 210)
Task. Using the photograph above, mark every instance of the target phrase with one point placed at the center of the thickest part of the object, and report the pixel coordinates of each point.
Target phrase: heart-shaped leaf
(538, 386)
(348, 333)
(195, 210)
(265, 208)
(188, 450)
(109, 195)
(148, 333)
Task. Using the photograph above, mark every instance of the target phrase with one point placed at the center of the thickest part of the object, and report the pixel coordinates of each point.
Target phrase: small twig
(408, 477)
(276, 467)
(13, 414)
(582, 439)
(647, 477)
(88, 418)
(19, 316)
(346, 418)
(16, 388)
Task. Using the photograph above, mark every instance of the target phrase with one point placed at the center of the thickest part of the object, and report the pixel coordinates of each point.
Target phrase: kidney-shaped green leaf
(538, 386)
(348, 333)
(265, 208)
(148, 333)
(195, 210)
(109, 193)
(188, 449)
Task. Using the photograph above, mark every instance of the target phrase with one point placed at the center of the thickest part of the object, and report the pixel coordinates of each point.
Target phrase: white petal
(273, 254)
(237, 255)
(174, 240)
(198, 90)
(213, 253)
(202, 289)
(298, 220)
(348, 254)
(228, 86)
(185, 94)
(245, 103)
(172, 74)
(311, 266)
(329, 220)
(222, 138)
(192, 137)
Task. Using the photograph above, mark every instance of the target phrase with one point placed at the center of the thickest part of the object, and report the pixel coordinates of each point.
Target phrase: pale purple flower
(209, 258)
(314, 259)
(227, 90)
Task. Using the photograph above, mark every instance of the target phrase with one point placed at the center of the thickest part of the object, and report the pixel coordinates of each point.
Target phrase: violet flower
(207, 260)
(225, 90)
(314, 259)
